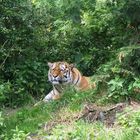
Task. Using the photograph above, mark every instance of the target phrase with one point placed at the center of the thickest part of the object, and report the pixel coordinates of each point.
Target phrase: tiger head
(60, 72)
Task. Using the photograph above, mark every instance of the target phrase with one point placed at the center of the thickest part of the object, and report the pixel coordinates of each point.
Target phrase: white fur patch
(62, 67)
(54, 65)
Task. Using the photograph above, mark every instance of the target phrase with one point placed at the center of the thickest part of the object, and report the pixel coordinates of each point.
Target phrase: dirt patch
(106, 115)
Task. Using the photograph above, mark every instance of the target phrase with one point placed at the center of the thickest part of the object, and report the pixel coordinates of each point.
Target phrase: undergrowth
(114, 83)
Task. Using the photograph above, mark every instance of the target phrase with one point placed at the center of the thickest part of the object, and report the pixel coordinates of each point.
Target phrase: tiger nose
(55, 76)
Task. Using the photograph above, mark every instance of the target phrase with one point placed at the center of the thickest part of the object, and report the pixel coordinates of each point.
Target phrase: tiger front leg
(53, 95)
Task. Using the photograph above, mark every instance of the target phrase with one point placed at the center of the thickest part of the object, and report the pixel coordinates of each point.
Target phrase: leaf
(31, 84)
(112, 88)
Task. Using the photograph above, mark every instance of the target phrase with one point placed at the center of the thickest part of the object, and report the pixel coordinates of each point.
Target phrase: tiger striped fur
(62, 74)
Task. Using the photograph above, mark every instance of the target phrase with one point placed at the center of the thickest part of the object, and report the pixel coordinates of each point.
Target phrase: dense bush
(35, 32)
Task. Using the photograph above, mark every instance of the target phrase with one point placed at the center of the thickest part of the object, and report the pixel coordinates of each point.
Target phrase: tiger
(62, 74)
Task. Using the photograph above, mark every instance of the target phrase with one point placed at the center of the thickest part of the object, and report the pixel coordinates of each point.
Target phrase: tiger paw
(46, 100)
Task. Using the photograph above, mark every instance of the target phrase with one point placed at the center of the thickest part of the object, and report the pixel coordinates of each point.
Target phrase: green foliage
(131, 10)
(122, 82)
(2, 125)
(131, 122)
(132, 61)
(87, 33)
(116, 87)
(18, 134)
(8, 94)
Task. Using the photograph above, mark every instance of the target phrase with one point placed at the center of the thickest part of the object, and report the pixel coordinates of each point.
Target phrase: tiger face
(60, 72)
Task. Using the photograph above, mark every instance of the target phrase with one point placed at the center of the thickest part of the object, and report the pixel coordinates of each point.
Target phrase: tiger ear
(72, 66)
(50, 64)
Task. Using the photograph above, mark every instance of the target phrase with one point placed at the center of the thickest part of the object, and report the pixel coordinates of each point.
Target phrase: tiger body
(61, 75)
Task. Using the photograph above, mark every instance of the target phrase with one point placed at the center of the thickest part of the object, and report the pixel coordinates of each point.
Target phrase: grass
(85, 131)
(31, 119)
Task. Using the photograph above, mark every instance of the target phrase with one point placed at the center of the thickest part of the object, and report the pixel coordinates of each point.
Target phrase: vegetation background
(102, 37)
